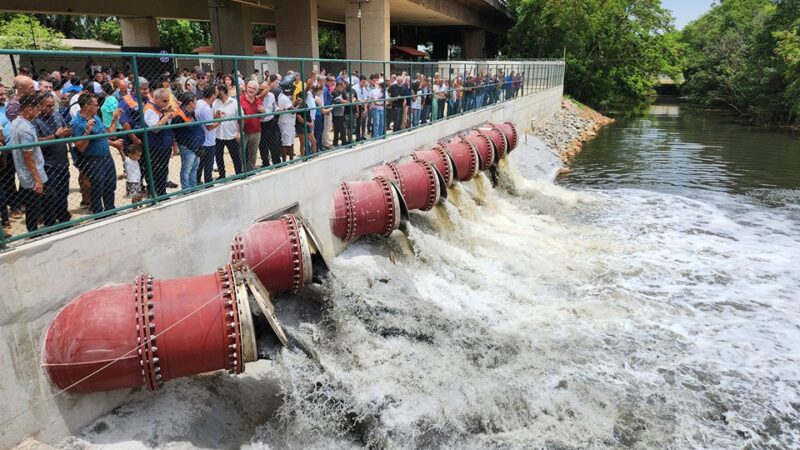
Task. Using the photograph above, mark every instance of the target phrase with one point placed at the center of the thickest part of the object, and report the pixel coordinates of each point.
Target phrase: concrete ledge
(184, 236)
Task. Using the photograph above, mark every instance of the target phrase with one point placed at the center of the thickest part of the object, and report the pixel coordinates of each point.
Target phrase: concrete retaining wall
(184, 236)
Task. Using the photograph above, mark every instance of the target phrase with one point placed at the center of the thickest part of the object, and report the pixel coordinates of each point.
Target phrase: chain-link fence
(87, 135)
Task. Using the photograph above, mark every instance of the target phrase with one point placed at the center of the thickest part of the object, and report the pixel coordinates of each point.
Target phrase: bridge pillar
(297, 33)
(368, 37)
(474, 46)
(139, 31)
(230, 35)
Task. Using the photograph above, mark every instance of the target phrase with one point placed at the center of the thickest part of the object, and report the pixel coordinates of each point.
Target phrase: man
(376, 108)
(270, 147)
(49, 126)
(395, 92)
(251, 104)
(360, 114)
(327, 100)
(286, 121)
(130, 118)
(96, 161)
(29, 161)
(228, 132)
(97, 83)
(8, 175)
(204, 113)
(46, 89)
(23, 85)
(340, 98)
(157, 113)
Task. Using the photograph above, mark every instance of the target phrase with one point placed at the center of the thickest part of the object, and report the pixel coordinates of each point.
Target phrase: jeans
(415, 117)
(319, 127)
(160, 160)
(233, 150)
(8, 180)
(396, 117)
(57, 210)
(425, 113)
(360, 123)
(103, 176)
(4, 218)
(270, 145)
(377, 122)
(190, 161)
(340, 134)
(205, 170)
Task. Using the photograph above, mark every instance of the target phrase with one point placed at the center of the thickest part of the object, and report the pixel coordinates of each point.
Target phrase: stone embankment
(567, 130)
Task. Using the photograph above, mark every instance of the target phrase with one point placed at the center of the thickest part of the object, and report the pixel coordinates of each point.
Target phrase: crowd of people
(246, 118)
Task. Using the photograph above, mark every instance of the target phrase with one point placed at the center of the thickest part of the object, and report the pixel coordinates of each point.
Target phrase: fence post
(386, 75)
(350, 91)
(242, 141)
(306, 114)
(147, 159)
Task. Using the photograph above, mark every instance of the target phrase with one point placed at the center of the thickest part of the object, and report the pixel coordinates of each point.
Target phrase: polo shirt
(96, 147)
(251, 125)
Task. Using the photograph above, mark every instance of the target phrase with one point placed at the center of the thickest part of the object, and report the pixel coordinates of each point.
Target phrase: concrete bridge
(371, 27)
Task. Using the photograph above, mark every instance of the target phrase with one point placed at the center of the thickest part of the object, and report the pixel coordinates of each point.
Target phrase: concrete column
(230, 34)
(474, 46)
(368, 37)
(297, 32)
(139, 32)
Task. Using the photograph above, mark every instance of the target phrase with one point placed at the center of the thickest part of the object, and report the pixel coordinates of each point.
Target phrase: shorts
(300, 127)
(133, 190)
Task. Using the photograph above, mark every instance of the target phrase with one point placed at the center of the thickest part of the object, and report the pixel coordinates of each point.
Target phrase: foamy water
(550, 318)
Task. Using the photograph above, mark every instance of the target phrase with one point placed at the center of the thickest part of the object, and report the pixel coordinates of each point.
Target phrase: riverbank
(567, 130)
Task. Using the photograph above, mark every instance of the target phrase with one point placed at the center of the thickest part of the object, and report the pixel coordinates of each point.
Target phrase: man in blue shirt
(96, 157)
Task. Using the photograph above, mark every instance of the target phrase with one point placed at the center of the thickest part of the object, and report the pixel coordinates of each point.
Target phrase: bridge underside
(369, 35)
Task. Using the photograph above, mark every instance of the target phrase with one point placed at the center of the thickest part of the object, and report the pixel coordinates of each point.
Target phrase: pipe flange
(513, 139)
(504, 151)
(350, 213)
(490, 145)
(439, 148)
(146, 340)
(433, 190)
(386, 187)
(231, 317)
(237, 248)
(396, 174)
(290, 223)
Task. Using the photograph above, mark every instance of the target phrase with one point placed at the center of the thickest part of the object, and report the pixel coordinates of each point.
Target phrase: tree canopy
(22, 31)
(746, 54)
(614, 49)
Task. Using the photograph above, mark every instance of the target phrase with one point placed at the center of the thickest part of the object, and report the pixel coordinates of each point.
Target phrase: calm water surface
(676, 149)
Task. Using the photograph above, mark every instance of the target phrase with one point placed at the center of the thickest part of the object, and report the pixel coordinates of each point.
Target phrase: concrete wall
(185, 236)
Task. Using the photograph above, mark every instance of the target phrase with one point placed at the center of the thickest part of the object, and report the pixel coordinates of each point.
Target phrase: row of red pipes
(151, 331)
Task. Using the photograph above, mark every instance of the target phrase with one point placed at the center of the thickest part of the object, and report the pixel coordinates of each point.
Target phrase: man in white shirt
(228, 132)
(203, 112)
(376, 108)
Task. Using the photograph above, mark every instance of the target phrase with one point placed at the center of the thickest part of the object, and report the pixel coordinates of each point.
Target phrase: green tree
(26, 32)
(615, 49)
(330, 44)
(742, 53)
(182, 36)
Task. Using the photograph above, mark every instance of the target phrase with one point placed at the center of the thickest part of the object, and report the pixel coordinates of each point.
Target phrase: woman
(190, 139)
(303, 128)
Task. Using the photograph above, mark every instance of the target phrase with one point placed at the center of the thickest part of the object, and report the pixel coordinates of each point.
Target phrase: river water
(649, 299)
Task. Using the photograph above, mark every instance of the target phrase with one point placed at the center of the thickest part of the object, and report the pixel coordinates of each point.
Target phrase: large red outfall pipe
(510, 130)
(440, 160)
(365, 207)
(417, 180)
(497, 137)
(484, 147)
(149, 332)
(277, 252)
(465, 158)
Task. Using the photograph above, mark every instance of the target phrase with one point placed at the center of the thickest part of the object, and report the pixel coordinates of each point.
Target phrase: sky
(686, 11)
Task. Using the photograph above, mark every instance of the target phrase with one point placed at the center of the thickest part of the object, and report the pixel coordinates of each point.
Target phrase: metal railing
(85, 178)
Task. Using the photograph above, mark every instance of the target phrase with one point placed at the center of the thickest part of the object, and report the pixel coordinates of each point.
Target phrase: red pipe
(417, 180)
(440, 160)
(497, 137)
(277, 252)
(465, 158)
(149, 332)
(365, 207)
(510, 130)
(484, 146)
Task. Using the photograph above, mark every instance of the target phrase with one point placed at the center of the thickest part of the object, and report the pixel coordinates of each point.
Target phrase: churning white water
(550, 318)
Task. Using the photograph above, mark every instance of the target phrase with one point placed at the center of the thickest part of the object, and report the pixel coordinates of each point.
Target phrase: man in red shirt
(251, 103)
